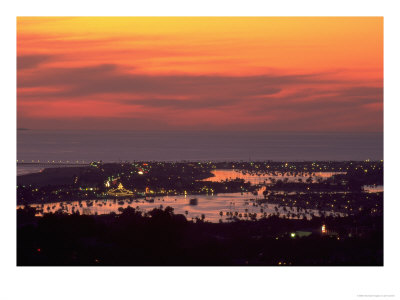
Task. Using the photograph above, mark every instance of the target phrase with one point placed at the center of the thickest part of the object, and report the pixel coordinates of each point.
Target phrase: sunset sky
(195, 73)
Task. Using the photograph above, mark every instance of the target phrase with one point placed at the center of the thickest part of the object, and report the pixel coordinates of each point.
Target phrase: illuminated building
(120, 191)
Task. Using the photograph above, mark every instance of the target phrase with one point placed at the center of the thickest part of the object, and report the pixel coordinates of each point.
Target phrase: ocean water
(114, 146)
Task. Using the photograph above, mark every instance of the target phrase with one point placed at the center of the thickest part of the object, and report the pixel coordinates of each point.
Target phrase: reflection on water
(373, 188)
(212, 206)
(222, 175)
(28, 169)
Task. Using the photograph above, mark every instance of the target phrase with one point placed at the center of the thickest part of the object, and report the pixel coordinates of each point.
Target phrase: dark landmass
(161, 238)
(164, 178)
(73, 183)
(300, 204)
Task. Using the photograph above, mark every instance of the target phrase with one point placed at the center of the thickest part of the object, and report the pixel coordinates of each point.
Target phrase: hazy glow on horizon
(273, 74)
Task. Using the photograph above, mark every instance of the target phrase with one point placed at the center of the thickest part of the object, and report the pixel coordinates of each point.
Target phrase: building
(120, 191)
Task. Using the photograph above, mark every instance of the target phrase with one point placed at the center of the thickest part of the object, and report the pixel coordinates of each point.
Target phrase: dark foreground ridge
(161, 238)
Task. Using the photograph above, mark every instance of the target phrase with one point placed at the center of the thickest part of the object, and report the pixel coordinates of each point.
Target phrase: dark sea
(114, 146)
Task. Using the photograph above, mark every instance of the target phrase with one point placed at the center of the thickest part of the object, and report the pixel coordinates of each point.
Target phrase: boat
(193, 201)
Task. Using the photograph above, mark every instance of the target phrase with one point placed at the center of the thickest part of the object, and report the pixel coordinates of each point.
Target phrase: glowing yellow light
(140, 172)
(292, 234)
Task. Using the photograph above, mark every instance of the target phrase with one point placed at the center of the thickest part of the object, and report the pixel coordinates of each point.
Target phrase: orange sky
(272, 74)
